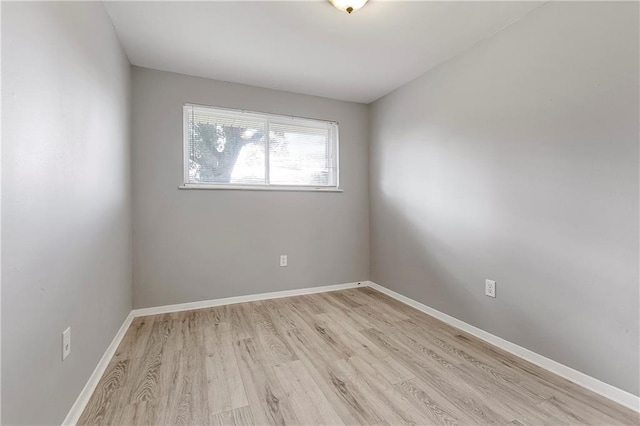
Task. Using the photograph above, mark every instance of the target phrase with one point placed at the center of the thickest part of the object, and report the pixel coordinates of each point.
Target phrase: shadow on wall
(436, 271)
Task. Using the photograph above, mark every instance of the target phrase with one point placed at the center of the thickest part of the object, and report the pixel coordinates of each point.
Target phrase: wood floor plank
(505, 397)
(134, 341)
(187, 404)
(474, 359)
(561, 386)
(238, 417)
(225, 388)
(376, 304)
(352, 406)
(392, 370)
(280, 312)
(464, 396)
(241, 325)
(265, 395)
(476, 354)
(479, 368)
(327, 338)
(105, 403)
(354, 356)
(437, 409)
(573, 411)
(313, 304)
(278, 349)
(307, 400)
(343, 313)
(187, 331)
(147, 412)
(146, 369)
(554, 412)
(384, 403)
(342, 299)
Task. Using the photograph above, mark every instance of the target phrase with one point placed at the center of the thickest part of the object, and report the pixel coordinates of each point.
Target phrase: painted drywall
(66, 210)
(517, 161)
(192, 245)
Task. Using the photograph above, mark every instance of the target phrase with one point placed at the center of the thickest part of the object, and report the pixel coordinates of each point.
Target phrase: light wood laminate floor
(351, 357)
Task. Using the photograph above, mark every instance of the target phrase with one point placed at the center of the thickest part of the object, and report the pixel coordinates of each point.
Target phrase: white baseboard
(240, 299)
(611, 392)
(81, 402)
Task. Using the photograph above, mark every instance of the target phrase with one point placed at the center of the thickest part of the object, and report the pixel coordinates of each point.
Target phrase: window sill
(261, 188)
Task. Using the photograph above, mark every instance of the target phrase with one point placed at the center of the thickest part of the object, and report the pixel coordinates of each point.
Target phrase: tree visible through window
(227, 147)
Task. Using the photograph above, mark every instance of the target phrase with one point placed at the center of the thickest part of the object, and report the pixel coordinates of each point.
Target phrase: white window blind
(230, 148)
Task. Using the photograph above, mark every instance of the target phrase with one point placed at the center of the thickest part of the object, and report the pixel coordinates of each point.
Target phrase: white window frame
(267, 118)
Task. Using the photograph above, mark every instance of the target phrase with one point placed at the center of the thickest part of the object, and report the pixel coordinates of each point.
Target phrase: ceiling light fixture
(348, 5)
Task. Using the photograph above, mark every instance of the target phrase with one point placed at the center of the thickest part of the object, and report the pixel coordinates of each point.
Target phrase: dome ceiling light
(348, 5)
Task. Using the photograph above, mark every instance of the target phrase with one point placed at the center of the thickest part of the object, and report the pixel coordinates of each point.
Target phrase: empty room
(320, 212)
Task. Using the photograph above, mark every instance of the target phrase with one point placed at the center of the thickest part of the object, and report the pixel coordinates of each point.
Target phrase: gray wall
(518, 161)
(192, 245)
(66, 243)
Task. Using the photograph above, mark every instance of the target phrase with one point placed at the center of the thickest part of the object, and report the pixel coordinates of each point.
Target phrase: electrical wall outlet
(490, 288)
(66, 343)
(283, 260)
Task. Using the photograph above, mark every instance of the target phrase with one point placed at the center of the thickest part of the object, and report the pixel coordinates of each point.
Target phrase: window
(226, 149)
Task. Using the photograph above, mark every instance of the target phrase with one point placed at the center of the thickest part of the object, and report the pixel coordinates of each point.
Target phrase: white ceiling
(307, 47)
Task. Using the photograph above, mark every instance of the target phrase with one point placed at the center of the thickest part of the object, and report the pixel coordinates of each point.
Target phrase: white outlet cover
(283, 260)
(66, 343)
(490, 288)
